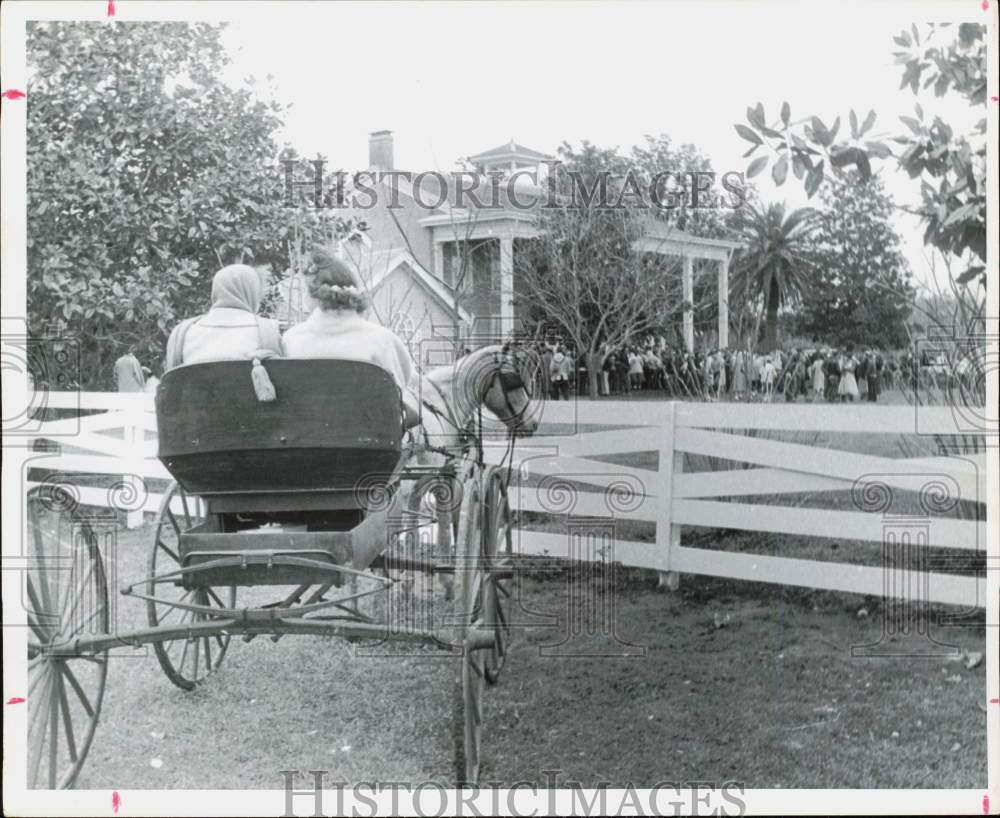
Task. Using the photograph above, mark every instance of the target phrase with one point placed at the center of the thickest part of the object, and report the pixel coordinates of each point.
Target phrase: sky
(454, 79)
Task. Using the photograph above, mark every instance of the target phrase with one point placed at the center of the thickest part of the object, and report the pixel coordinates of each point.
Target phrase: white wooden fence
(549, 469)
(673, 498)
(120, 440)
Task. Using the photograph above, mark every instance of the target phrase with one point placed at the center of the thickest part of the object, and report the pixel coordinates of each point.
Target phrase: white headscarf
(237, 287)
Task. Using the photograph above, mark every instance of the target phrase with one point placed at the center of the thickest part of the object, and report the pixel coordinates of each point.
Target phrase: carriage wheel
(472, 670)
(498, 552)
(186, 662)
(67, 598)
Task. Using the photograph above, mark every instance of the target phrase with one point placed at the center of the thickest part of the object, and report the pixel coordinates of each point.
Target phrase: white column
(724, 303)
(688, 296)
(438, 259)
(506, 286)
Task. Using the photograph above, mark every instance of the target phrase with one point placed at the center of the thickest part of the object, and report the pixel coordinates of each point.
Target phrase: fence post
(668, 535)
(135, 438)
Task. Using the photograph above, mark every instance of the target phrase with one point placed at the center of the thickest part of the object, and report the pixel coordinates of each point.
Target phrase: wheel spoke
(474, 664)
(36, 733)
(194, 677)
(75, 684)
(184, 653)
(170, 552)
(172, 610)
(173, 521)
(42, 557)
(67, 719)
(501, 618)
(42, 630)
(54, 731)
(39, 676)
(39, 632)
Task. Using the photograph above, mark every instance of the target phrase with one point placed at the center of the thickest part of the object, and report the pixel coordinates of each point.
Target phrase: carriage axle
(254, 622)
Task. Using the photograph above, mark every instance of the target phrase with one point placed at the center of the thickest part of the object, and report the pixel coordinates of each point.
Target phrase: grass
(773, 698)
(608, 681)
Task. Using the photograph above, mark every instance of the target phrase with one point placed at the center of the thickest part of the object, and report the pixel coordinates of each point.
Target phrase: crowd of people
(815, 374)
(821, 374)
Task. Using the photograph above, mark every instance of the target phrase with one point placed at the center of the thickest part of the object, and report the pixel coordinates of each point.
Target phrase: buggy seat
(334, 429)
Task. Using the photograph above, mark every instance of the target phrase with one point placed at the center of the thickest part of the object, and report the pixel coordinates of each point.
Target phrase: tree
(583, 272)
(952, 168)
(859, 291)
(146, 173)
(774, 264)
(700, 214)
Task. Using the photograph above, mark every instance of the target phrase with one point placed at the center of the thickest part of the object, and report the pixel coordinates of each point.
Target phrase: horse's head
(504, 391)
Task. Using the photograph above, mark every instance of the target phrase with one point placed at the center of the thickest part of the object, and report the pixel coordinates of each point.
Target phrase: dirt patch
(613, 682)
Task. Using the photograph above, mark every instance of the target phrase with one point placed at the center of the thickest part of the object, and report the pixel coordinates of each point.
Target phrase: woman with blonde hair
(337, 328)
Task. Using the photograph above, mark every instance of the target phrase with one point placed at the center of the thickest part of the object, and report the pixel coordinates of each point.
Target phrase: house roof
(509, 150)
(379, 264)
(657, 229)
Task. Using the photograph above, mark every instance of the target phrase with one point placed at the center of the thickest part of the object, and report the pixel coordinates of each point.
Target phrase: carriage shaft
(255, 623)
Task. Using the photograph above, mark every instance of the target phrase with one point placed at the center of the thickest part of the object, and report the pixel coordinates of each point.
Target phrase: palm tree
(775, 260)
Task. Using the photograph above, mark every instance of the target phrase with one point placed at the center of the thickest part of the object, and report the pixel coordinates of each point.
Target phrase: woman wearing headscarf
(337, 328)
(231, 329)
(129, 373)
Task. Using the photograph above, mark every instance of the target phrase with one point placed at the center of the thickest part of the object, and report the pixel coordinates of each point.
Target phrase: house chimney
(380, 150)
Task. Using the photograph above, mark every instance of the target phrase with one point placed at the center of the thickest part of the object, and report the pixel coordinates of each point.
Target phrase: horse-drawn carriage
(316, 491)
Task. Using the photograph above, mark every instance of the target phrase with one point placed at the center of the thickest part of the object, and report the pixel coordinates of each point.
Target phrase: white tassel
(262, 382)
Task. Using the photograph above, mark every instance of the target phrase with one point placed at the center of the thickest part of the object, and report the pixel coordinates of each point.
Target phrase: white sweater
(345, 335)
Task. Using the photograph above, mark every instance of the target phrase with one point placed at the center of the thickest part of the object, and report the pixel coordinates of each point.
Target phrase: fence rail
(748, 471)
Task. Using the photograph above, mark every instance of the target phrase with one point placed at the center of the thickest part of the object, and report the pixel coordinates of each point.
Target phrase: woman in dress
(337, 328)
(739, 375)
(231, 329)
(818, 377)
(635, 370)
(848, 388)
(768, 377)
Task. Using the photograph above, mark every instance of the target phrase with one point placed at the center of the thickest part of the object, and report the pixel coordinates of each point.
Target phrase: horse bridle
(509, 381)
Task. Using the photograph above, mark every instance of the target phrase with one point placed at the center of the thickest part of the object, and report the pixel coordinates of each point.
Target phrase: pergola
(669, 241)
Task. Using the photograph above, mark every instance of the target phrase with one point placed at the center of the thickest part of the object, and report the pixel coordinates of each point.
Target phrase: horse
(452, 398)
(452, 403)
